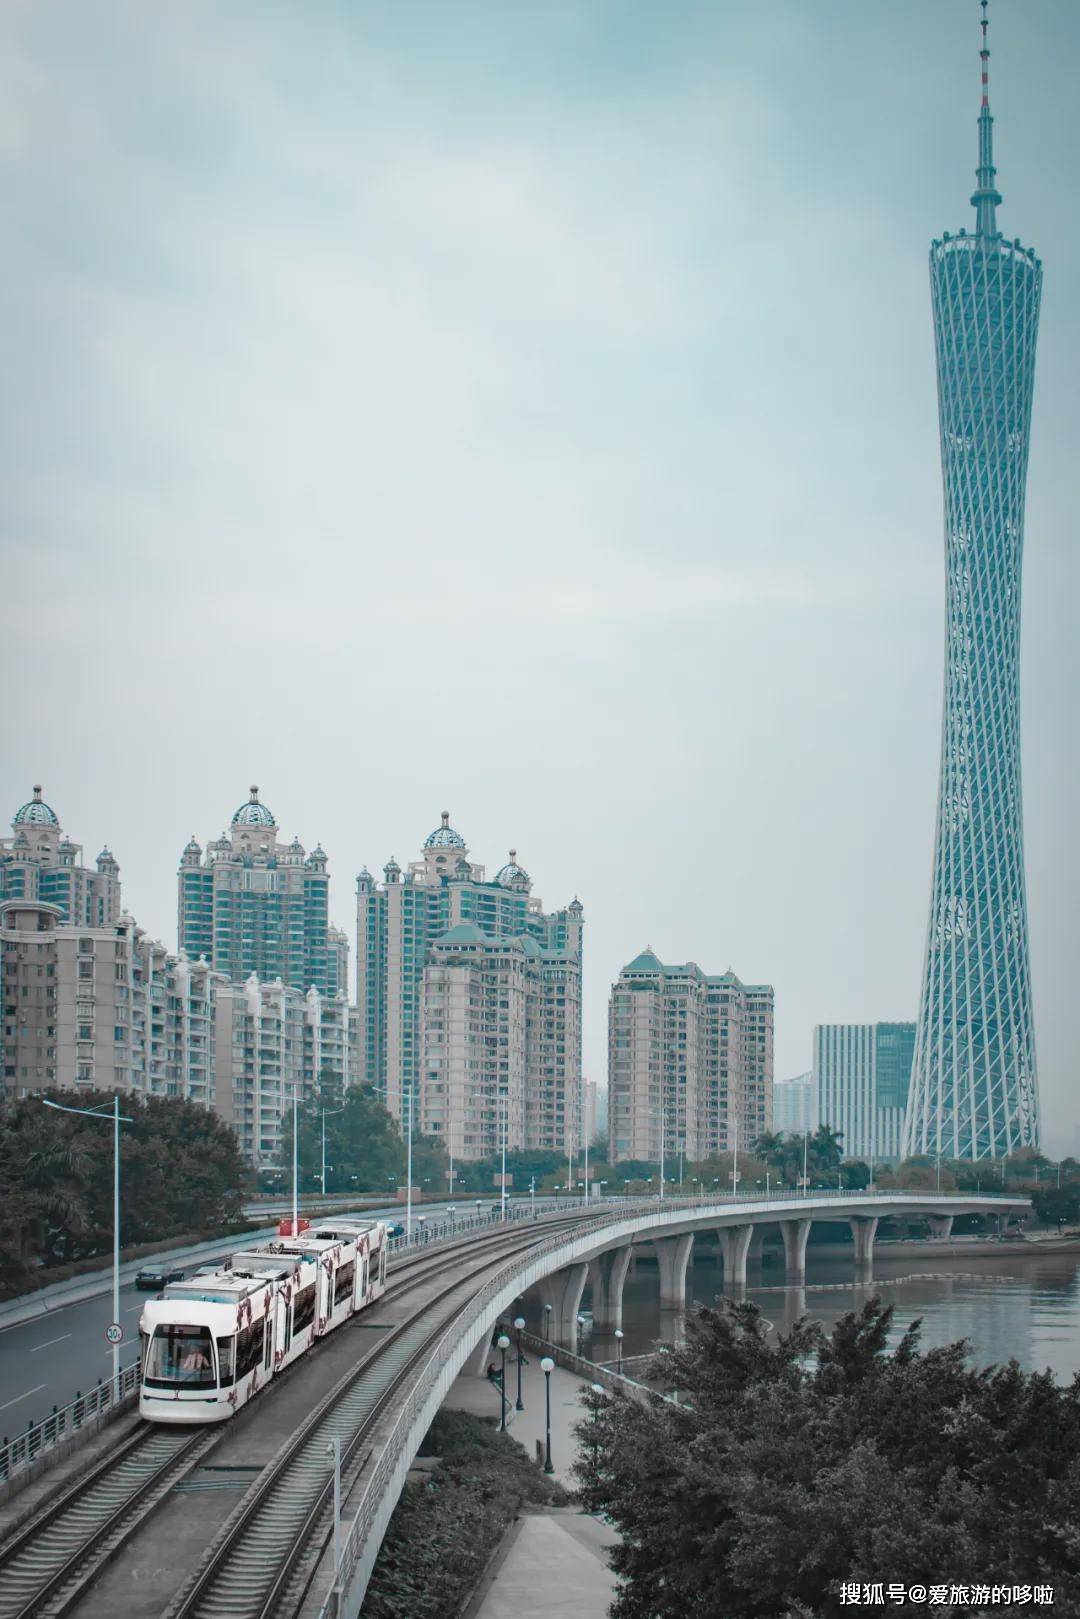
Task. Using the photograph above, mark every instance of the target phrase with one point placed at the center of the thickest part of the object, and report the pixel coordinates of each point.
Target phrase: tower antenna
(986, 197)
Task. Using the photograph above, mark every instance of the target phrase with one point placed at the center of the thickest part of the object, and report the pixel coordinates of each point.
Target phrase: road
(52, 1359)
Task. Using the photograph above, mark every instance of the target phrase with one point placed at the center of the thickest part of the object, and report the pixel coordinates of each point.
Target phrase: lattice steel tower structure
(974, 1090)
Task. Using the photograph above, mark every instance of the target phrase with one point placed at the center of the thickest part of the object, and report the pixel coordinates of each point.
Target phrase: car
(395, 1228)
(152, 1278)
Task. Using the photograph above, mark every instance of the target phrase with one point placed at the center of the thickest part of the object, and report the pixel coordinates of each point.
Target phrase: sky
(527, 408)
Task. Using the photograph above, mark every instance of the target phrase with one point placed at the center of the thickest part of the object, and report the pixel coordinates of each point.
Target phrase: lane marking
(19, 1397)
(49, 1342)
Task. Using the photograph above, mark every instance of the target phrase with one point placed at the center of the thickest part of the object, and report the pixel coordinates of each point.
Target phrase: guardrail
(17, 1454)
(38, 1437)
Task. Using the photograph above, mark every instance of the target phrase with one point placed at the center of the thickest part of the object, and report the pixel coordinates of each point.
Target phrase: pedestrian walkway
(480, 1396)
(554, 1567)
(553, 1564)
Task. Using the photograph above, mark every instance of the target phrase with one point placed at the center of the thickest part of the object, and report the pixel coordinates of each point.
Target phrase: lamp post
(327, 1113)
(408, 1170)
(502, 1343)
(519, 1328)
(547, 1366)
(618, 1349)
(115, 1333)
(547, 1323)
(580, 1327)
(532, 1196)
(334, 1449)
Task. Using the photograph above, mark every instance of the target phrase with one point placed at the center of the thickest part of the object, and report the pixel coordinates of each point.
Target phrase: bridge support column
(607, 1273)
(673, 1254)
(795, 1234)
(864, 1229)
(940, 1224)
(735, 1245)
(562, 1290)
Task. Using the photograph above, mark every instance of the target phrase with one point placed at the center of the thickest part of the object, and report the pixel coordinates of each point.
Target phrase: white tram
(209, 1343)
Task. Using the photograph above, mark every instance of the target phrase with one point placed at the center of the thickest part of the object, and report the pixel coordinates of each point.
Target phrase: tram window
(382, 1263)
(144, 1340)
(226, 1354)
(304, 1308)
(249, 1349)
(364, 1278)
(268, 1334)
(287, 1329)
(343, 1283)
(181, 1355)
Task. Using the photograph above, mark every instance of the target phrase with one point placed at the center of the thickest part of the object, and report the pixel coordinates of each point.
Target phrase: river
(1021, 1307)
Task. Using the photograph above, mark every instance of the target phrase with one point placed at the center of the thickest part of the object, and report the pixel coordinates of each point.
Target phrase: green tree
(365, 1149)
(796, 1461)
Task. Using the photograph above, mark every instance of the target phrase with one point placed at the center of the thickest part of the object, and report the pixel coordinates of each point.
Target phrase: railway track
(47, 1564)
(267, 1551)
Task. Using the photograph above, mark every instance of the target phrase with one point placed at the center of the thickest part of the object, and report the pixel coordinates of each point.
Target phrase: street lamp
(519, 1328)
(580, 1326)
(115, 1332)
(547, 1323)
(327, 1113)
(502, 1343)
(334, 1449)
(618, 1349)
(547, 1366)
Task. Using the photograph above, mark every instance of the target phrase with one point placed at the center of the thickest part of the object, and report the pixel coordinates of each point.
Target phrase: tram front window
(180, 1355)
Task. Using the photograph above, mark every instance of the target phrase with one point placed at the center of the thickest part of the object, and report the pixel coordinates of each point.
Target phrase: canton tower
(974, 1092)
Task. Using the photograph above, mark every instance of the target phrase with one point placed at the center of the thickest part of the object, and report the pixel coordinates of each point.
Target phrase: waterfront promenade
(554, 1562)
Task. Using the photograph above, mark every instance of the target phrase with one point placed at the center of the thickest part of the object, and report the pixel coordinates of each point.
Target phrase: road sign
(114, 1332)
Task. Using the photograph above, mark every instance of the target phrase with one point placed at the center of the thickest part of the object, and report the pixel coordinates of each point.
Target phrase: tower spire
(986, 196)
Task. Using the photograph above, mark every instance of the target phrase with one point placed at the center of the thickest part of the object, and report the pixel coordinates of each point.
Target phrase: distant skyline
(530, 411)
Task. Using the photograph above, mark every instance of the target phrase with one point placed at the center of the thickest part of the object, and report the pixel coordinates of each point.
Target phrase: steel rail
(252, 1559)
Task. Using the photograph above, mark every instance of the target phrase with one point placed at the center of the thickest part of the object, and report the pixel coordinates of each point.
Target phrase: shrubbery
(447, 1527)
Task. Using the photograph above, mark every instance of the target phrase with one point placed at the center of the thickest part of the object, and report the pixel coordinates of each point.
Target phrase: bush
(447, 1527)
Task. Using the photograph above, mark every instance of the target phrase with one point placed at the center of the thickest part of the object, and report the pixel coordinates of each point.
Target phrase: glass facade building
(974, 1090)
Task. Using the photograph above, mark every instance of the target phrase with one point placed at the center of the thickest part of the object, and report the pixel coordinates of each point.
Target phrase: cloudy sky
(527, 408)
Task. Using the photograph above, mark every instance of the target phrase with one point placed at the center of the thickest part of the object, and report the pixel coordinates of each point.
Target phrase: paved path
(554, 1563)
(554, 1568)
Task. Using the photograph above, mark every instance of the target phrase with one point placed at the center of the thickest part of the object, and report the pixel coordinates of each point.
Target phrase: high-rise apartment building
(38, 863)
(97, 1008)
(974, 1092)
(596, 1110)
(254, 904)
(862, 1073)
(500, 1039)
(512, 951)
(273, 1043)
(690, 1061)
(795, 1107)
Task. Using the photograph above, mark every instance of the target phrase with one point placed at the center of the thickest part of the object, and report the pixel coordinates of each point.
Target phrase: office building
(254, 904)
(795, 1110)
(521, 1071)
(690, 1061)
(39, 864)
(862, 1073)
(974, 1092)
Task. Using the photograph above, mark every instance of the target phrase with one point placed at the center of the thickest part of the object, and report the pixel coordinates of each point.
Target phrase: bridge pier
(795, 1233)
(735, 1245)
(562, 1290)
(940, 1225)
(673, 1256)
(864, 1229)
(607, 1273)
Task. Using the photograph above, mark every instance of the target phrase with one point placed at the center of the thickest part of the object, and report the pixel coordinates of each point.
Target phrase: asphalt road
(52, 1359)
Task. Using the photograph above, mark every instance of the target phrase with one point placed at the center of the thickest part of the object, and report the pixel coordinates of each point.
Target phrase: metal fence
(37, 1437)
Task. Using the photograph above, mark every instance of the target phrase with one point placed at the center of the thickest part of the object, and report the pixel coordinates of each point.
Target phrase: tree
(1057, 1205)
(365, 1149)
(797, 1461)
(180, 1170)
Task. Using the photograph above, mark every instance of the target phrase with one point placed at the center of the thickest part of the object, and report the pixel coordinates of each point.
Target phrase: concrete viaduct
(556, 1267)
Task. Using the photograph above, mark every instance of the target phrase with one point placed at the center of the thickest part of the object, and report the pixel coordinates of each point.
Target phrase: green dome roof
(253, 813)
(36, 813)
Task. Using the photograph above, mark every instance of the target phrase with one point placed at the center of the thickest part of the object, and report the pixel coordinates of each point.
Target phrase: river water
(1015, 1306)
